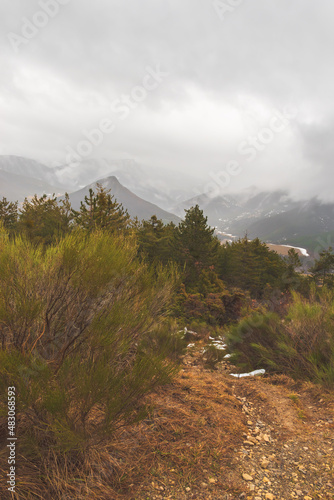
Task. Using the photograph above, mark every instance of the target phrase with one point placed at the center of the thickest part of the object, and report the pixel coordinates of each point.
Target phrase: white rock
(270, 496)
(247, 477)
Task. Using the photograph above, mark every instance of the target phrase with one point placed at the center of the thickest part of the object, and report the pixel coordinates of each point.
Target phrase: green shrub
(253, 341)
(84, 336)
(301, 345)
(214, 309)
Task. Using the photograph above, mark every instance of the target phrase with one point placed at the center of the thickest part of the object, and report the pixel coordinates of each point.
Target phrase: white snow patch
(302, 250)
(250, 374)
(218, 343)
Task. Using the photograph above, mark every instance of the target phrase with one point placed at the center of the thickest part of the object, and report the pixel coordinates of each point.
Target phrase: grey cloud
(265, 54)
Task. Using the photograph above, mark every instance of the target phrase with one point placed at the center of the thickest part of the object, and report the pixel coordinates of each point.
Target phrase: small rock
(252, 439)
(270, 496)
(212, 480)
(252, 487)
(204, 485)
(264, 464)
(249, 422)
(247, 477)
(307, 498)
(248, 443)
(188, 489)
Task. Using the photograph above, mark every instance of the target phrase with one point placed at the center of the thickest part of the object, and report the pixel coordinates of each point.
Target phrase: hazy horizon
(232, 94)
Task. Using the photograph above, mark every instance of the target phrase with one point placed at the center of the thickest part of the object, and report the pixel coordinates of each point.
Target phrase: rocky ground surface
(288, 451)
(287, 446)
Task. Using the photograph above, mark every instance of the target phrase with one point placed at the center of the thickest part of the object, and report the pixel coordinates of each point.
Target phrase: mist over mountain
(147, 182)
(136, 206)
(273, 216)
(21, 177)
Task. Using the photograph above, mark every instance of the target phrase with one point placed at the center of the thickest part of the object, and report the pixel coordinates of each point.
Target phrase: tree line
(206, 266)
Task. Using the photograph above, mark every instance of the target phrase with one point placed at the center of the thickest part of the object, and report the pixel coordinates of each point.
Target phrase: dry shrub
(193, 426)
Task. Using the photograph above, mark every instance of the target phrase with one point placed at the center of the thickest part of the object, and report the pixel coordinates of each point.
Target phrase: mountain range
(274, 216)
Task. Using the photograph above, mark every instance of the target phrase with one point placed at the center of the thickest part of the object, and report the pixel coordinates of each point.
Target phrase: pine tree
(8, 214)
(44, 219)
(250, 265)
(101, 211)
(155, 240)
(195, 245)
(324, 267)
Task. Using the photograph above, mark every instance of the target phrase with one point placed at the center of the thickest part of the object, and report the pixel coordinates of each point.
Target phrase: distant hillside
(307, 221)
(136, 206)
(17, 187)
(151, 184)
(20, 165)
(271, 216)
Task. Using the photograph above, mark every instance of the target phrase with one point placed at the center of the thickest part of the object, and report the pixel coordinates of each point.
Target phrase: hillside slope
(252, 438)
(136, 206)
(17, 187)
(210, 436)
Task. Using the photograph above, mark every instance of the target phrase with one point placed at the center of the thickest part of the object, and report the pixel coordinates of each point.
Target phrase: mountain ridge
(136, 206)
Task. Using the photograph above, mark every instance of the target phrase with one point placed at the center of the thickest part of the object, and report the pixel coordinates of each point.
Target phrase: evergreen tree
(250, 265)
(8, 214)
(44, 219)
(324, 267)
(293, 262)
(195, 245)
(155, 240)
(102, 211)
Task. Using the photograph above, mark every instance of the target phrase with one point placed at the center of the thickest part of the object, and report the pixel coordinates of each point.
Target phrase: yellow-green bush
(300, 345)
(82, 327)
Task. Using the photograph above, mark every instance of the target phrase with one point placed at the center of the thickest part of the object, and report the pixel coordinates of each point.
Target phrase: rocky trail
(288, 451)
(280, 448)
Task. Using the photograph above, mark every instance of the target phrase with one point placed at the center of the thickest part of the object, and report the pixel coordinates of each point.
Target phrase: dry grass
(189, 436)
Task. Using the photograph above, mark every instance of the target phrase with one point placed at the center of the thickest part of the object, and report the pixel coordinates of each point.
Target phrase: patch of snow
(218, 343)
(220, 347)
(227, 356)
(250, 374)
(302, 250)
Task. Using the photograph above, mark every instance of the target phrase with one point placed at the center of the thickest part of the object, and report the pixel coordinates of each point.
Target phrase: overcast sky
(237, 90)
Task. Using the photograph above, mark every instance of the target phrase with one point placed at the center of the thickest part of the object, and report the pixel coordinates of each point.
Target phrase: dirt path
(283, 438)
(289, 447)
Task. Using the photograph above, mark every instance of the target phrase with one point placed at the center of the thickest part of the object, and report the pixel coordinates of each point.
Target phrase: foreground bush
(82, 337)
(300, 345)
